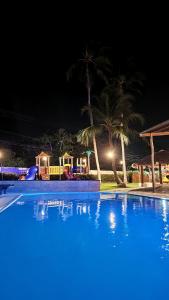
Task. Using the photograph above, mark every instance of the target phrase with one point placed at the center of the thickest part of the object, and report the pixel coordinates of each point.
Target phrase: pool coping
(108, 192)
(150, 195)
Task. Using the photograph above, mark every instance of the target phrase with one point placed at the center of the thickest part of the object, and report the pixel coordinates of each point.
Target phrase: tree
(87, 67)
(84, 137)
(125, 116)
(104, 114)
(46, 141)
(88, 152)
(10, 159)
(63, 141)
(56, 143)
(117, 117)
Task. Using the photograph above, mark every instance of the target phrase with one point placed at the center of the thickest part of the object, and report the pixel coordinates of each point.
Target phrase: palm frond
(85, 135)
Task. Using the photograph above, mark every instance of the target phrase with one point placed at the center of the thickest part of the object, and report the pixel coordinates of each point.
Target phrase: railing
(55, 170)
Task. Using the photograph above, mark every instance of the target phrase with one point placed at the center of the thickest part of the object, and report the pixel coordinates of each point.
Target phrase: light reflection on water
(132, 205)
(165, 236)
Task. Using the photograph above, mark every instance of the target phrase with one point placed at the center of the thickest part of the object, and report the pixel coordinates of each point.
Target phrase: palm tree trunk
(88, 162)
(92, 123)
(123, 160)
(96, 158)
(116, 177)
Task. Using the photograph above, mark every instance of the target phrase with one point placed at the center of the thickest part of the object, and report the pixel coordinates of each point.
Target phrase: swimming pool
(58, 247)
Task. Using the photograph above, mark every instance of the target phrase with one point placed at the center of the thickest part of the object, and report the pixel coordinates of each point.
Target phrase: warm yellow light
(44, 158)
(112, 218)
(110, 154)
(84, 160)
(121, 162)
(1, 154)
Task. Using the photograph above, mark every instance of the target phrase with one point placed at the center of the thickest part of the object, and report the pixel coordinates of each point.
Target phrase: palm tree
(125, 116)
(117, 117)
(123, 88)
(85, 136)
(88, 152)
(89, 66)
(104, 113)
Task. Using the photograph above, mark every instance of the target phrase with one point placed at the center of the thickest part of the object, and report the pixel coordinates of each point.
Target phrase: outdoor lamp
(110, 154)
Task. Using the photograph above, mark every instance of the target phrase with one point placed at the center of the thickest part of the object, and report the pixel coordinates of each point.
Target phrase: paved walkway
(161, 192)
(149, 194)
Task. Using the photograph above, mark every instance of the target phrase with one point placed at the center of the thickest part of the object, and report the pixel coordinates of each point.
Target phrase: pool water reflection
(57, 247)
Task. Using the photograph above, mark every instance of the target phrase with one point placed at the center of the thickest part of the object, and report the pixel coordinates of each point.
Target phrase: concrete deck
(161, 192)
(150, 194)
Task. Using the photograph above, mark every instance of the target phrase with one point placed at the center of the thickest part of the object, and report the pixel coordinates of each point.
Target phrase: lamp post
(1, 165)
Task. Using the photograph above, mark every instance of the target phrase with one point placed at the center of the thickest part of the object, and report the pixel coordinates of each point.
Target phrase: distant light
(44, 158)
(84, 160)
(121, 162)
(110, 154)
(1, 154)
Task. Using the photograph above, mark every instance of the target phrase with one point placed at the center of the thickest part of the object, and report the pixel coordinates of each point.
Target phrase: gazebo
(161, 158)
(161, 129)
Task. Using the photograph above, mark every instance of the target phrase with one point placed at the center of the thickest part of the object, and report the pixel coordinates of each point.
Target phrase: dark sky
(35, 60)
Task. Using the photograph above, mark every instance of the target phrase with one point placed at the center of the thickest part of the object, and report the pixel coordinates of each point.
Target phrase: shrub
(76, 177)
(85, 177)
(110, 177)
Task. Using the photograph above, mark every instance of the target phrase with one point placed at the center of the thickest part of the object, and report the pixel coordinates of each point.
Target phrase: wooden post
(59, 168)
(88, 162)
(80, 165)
(142, 176)
(48, 167)
(39, 167)
(152, 162)
(160, 174)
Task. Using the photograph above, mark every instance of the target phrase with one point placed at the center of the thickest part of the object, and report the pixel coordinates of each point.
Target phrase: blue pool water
(63, 248)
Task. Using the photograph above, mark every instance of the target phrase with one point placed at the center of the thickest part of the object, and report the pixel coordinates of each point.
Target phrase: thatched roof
(160, 129)
(161, 157)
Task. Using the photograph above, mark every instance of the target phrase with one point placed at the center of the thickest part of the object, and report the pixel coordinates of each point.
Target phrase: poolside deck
(160, 192)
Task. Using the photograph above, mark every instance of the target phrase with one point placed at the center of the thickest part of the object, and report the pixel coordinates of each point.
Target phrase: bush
(110, 177)
(85, 177)
(76, 177)
(129, 176)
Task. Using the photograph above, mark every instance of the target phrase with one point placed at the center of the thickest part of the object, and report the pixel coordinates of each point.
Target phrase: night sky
(35, 95)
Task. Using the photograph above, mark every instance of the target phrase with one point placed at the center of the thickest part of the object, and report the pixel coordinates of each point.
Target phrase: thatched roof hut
(161, 157)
